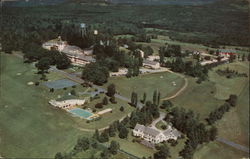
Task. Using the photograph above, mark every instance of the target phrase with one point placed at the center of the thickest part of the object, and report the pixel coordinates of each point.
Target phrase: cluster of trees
(188, 123)
(171, 51)
(230, 73)
(178, 65)
(218, 113)
(84, 144)
(162, 152)
(145, 115)
(96, 73)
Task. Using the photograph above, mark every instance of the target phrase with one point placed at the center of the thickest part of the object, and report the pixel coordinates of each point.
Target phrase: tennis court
(81, 113)
(59, 84)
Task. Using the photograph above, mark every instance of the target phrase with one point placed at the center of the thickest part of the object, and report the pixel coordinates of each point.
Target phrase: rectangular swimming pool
(81, 113)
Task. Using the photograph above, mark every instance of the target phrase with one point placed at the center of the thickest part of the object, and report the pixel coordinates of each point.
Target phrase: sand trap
(18, 74)
(30, 83)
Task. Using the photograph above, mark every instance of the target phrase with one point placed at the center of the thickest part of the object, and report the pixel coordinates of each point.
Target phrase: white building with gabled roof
(154, 135)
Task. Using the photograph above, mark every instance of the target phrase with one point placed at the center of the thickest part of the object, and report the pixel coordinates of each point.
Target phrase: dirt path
(180, 90)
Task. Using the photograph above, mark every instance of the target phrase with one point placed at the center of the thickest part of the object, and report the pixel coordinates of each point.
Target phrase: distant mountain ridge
(132, 2)
(149, 2)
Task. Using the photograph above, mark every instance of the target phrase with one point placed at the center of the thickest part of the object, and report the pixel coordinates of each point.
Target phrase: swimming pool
(81, 113)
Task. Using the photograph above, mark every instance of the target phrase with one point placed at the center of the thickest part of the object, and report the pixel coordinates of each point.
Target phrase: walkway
(234, 145)
(162, 116)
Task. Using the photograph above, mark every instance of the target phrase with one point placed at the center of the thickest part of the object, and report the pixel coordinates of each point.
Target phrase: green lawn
(159, 125)
(235, 125)
(134, 148)
(205, 97)
(29, 126)
(147, 83)
(215, 150)
(198, 97)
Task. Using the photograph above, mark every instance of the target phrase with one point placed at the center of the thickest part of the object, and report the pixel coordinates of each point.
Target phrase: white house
(154, 135)
(67, 103)
(151, 64)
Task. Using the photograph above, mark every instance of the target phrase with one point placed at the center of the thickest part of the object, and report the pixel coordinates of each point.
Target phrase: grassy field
(29, 126)
(215, 150)
(237, 120)
(198, 97)
(134, 148)
(147, 83)
(211, 94)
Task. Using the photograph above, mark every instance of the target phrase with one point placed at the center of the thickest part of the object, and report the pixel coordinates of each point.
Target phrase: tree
(155, 97)
(99, 105)
(213, 133)
(43, 64)
(62, 61)
(82, 144)
(144, 98)
(163, 152)
(166, 105)
(105, 101)
(121, 108)
(134, 99)
(232, 100)
(123, 133)
(112, 100)
(105, 154)
(104, 137)
(114, 147)
(59, 155)
(111, 90)
(158, 98)
(73, 92)
(96, 73)
(96, 135)
(111, 130)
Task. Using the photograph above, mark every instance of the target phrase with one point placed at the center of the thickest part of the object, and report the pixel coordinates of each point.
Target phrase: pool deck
(78, 112)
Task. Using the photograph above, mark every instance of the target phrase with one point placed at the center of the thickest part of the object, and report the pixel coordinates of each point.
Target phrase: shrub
(99, 105)
(121, 108)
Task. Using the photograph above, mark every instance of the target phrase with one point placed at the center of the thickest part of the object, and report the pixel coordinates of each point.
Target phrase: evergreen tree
(144, 98)
(155, 97)
(96, 135)
(121, 108)
(134, 99)
(111, 90)
(159, 98)
(114, 147)
(59, 155)
(123, 132)
(105, 101)
(111, 130)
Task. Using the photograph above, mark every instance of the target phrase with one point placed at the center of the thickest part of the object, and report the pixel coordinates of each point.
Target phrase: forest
(211, 24)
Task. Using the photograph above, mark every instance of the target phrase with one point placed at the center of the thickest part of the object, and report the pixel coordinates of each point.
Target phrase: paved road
(232, 144)
(162, 116)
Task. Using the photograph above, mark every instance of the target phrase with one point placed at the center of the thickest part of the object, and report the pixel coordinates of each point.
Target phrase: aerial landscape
(124, 79)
